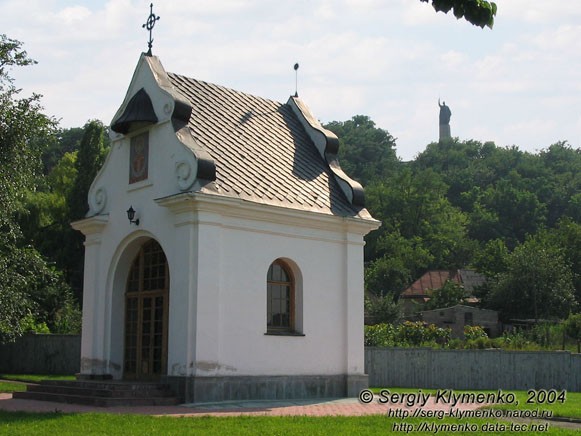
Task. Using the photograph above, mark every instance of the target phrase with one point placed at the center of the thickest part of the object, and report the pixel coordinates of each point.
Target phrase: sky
(518, 84)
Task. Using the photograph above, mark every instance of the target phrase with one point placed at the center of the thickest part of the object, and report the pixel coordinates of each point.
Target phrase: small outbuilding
(459, 316)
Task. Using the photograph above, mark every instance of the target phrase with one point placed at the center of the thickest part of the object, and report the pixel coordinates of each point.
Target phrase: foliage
(572, 327)
(480, 343)
(11, 54)
(31, 325)
(420, 230)
(366, 152)
(31, 291)
(66, 141)
(537, 283)
(408, 334)
(90, 158)
(450, 294)
(478, 12)
(567, 235)
(542, 337)
(380, 335)
(472, 332)
(383, 309)
(32, 294)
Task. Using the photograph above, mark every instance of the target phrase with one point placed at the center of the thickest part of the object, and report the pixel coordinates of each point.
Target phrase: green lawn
(111, 424)
(11, 387)
(19, 423)
(35, 378)
(570, 408)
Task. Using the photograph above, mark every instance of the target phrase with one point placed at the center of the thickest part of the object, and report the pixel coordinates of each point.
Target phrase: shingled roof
(261, 151)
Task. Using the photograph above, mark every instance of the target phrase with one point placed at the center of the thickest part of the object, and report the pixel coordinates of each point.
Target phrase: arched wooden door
(146, 314)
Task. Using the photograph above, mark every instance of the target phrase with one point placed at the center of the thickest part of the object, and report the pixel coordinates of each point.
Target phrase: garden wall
(386, 367)
(472, 369)
(42, 354)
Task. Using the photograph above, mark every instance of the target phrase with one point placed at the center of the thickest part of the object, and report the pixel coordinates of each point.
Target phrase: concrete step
(96, 401)
(100, 393)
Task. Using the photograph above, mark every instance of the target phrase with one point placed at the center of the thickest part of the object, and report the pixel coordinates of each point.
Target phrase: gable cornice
(327, 144)
(180, 110)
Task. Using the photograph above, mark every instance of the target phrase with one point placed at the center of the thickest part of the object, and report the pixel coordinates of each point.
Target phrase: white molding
(228, 207)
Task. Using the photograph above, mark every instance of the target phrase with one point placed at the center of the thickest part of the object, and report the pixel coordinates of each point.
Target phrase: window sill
(283, 333)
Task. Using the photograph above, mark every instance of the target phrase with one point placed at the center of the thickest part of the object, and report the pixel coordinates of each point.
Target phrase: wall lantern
(131, 215)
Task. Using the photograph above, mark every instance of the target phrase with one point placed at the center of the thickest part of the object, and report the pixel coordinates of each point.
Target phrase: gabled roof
(246, 147)
(261, 151)
(430, 281)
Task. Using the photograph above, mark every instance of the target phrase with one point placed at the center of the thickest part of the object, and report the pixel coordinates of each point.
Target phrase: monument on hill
(445, 115)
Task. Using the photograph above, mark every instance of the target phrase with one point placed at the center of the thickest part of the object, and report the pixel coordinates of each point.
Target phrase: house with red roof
(419, 292)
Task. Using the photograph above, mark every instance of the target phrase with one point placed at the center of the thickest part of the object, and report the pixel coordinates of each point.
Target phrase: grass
(35, 378)
(111, 424)
(20, 423)
(570, 408)
(9, 387)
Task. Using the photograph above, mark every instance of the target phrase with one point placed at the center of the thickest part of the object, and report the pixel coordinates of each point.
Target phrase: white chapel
(223, 247)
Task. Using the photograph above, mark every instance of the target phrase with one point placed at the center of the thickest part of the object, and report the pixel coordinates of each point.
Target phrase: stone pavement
(321, 407)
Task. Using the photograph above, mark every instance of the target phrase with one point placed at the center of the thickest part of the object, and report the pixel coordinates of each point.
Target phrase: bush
(480, 343)
(408, 334)
(473, 332)
(379, 335)
(573, 329)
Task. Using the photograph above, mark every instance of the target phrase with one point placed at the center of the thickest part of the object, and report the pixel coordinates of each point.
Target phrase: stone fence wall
(42, 354)
(386, 367)
(473, 369)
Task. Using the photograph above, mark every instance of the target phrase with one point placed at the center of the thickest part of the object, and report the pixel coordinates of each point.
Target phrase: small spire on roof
(296, 79)
(149, 26)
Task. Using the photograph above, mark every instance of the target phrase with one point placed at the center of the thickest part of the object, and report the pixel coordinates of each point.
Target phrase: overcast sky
(518, 84)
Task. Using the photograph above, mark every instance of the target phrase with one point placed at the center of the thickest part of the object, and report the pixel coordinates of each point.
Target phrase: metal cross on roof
(149, 26)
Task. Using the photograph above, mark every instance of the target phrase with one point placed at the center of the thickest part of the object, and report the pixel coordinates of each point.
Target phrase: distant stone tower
(445, 115)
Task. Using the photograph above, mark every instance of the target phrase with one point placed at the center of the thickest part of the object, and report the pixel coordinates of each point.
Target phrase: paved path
(323, 407)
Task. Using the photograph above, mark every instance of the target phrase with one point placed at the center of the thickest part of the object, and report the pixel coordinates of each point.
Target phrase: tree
(537, 283)
(448, 295)
(507, 212)
(366, 152)
(568, 237)
(478, 12)
(66, 141)
(29, 288)
(23, 127)
(383, 309)
(573, 329)
(90, 158)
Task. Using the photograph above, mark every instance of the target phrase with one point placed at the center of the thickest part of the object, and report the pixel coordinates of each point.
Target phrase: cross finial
(149, 26)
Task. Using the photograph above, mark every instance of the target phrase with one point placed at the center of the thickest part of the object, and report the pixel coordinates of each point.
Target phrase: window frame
(289, 330)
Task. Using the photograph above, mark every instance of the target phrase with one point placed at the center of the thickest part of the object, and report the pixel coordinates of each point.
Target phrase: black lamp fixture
(131, 215)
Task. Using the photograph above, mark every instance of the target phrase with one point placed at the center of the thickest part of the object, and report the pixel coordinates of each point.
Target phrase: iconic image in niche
(139, 158)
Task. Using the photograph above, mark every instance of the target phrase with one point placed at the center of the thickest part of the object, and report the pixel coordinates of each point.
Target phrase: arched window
(280, 300)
